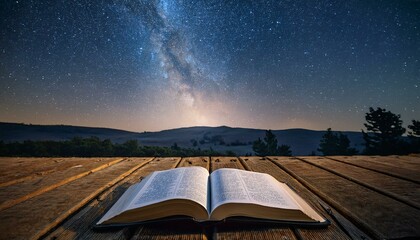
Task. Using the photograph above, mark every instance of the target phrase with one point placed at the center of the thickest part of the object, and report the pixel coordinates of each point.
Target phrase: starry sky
(147, 65)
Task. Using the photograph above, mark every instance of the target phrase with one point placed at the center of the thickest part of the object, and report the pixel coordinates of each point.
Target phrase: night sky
(149, 65)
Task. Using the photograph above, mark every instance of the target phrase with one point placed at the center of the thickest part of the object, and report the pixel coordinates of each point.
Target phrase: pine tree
(415, 128)
(329, 143)
(269, 147)
(384, 130)
(271, 143)
(259, 147)
(335, 144)
(284, 150)
(414, 136)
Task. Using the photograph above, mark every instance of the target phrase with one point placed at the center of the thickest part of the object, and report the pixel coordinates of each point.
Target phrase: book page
(184, 183)
(239, 186)
(124, 200)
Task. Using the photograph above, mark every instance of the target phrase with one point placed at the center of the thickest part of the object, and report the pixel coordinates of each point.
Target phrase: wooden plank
(79, 225)
(225, 162)
(397, 161)
(367, 162)
(380, 216)
(17, 193)
(196, 161)
(38, 183)
(16, 170)
(174, 230)
(34, 215)
(253, 231)
(264, 165)
(401, 190)
(326, 198)
(243, 161)
(409, 159)
(89, 198)
(16, 167)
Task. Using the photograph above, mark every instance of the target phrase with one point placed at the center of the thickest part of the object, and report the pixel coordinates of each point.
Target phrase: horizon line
(181, 127)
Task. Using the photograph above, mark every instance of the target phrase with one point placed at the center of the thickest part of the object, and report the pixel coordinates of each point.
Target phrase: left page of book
(124, 200)
(180, 183)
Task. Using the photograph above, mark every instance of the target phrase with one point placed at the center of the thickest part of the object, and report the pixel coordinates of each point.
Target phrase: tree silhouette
(414, 136)
(284, 150)
(175, 147)
(344, 145)
(269, 147)
(94, 147)
(415, 128)
(384, 130)
(271, 143)
(335, 144)
(259, 147)
(329, 143)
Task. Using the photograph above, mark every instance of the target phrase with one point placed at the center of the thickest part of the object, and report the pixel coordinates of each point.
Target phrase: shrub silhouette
(94, 147)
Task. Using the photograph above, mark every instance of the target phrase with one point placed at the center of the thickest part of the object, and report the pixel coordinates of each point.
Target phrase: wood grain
(268, 166)
(80, 225)
(34, 214)
(52, 185)
(16, 170)
(196, 161)
(408, 162)
(351, 191)
(39, 183)
(374, 164)
(225, 162)
(381, 216)
(396, 188)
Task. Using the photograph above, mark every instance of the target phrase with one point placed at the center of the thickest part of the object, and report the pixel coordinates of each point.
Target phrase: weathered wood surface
(13, 194)
(61, 198)
(381, 165)
(399, 189)
(16, 170)
(379, 215)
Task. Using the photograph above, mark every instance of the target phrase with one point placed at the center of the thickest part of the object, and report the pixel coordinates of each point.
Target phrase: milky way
(158, 64)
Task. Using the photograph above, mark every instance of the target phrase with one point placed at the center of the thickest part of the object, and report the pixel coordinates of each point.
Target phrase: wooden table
(364, 197)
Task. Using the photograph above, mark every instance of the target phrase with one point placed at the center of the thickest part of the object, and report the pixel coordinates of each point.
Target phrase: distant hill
(239, 140)
(10, 132)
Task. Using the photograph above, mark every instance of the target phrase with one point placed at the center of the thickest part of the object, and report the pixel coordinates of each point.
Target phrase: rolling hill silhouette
(223, 138)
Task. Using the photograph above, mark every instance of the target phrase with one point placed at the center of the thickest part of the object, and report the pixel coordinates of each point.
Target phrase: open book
(193, 192)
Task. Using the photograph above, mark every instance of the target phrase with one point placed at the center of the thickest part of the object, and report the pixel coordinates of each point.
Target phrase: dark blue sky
(152, 65)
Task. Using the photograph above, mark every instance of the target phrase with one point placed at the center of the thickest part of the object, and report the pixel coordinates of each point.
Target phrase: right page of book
(239, 186)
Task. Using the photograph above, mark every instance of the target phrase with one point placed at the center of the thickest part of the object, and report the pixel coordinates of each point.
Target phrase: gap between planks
(366, 185)
(375, 170)
(244, 164)
(42, 173)
(338, 222)
(13, 202)
(83, 219)
(354, 219)
(86, 200)
(23, 179)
